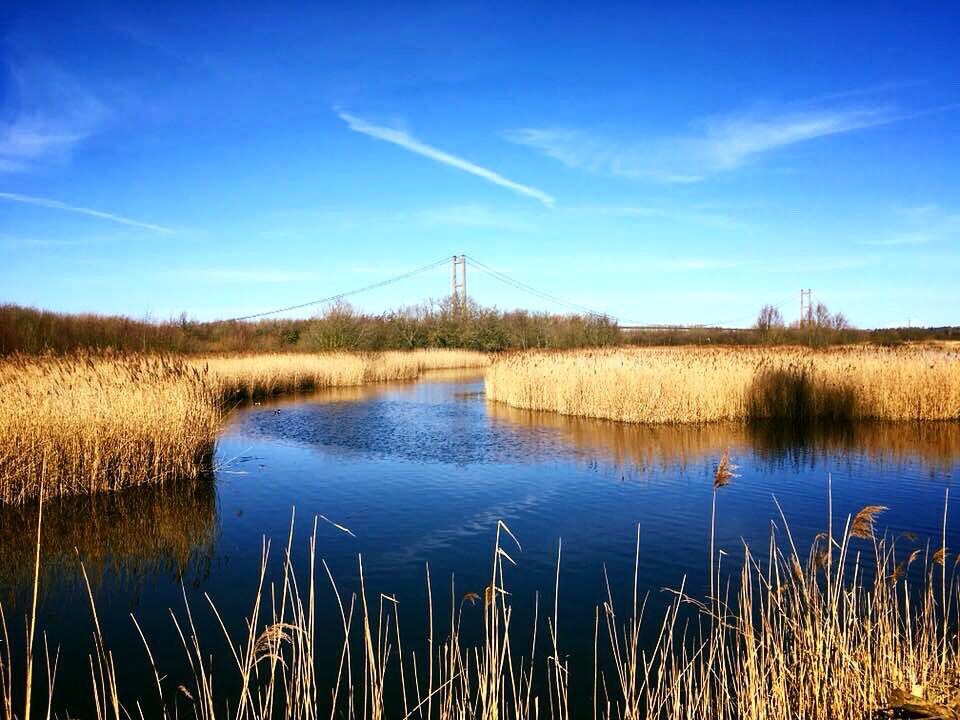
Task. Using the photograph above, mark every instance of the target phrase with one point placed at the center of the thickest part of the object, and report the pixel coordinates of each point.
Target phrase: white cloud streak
(476, 216)
(923, 224)
(90, 212)
(410, 143)
(53, 115)
(248, 276)
(718, 144)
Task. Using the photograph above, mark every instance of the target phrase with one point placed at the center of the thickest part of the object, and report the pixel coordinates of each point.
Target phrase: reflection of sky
(425, 423)
(422, 472)
(450, 423)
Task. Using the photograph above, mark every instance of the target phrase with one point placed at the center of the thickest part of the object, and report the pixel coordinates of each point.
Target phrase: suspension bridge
(458, 294)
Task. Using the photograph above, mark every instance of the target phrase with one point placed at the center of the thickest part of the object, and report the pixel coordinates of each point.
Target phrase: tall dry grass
(84, 424)
(860, 626)
(696, 385)
(249, 376)
(81, 424)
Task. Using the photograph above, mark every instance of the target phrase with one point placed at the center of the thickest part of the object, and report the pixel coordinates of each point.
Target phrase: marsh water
(419, 474)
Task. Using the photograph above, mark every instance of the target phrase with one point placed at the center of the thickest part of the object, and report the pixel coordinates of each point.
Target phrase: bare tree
(769, 319)
(840, 322)
(821, 316)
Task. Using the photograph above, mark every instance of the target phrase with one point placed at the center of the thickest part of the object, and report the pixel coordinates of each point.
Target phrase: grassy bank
(696, 385)
(82, 424)
(859, 626)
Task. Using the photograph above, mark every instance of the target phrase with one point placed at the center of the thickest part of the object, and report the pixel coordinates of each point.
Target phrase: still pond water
(420, 473)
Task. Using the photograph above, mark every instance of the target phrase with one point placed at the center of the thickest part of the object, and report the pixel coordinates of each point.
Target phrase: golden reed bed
(83, 424)
(697, 385)
(249, 376)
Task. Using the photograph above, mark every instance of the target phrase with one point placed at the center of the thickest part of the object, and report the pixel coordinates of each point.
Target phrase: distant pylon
(458, 280)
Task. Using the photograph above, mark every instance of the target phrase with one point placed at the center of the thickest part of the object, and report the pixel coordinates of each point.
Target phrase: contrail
(408, 142)
(57, 205)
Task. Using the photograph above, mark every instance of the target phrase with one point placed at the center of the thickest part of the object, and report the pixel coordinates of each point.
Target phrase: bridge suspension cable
(537, 293)
(339, 296)
(620, 321)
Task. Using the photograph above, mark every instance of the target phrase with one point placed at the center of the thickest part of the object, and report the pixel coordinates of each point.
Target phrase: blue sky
(681, 164)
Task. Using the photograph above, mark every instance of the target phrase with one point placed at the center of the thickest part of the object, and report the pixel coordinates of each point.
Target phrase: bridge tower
(806, 307)
(458, 280)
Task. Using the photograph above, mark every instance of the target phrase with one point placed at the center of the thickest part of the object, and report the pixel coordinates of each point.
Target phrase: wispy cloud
(900, 240)
(250, 276)
(408, 142)
(920, 225)
(475, 216)
(693, 214)
(713, 145)
(53, 113)
(18, 241)
(90, 212)
(651, 264)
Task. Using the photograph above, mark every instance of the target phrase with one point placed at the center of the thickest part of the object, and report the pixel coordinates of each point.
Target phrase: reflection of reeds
(84, 424)
(681, 445)
(170, 528)
(636, 444)
(935, 444)
(846, 631)
(695, 384)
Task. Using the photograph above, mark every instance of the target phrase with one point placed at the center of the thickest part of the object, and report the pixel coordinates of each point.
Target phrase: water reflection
(934, 444)
(641, 446)
(132, 534)
(371, 391)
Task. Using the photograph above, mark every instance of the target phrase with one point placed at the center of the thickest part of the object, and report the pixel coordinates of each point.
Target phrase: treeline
(430, 325)
(819, 328)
